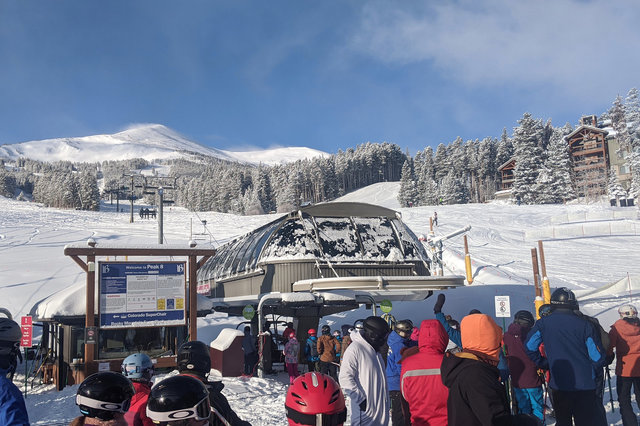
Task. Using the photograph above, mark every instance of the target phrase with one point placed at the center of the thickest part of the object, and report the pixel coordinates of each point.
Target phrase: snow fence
(586, 229)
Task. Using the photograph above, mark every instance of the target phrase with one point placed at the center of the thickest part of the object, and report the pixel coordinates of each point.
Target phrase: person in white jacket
(362, 374)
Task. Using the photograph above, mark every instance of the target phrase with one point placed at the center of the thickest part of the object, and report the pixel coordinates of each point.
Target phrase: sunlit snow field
(33, 266)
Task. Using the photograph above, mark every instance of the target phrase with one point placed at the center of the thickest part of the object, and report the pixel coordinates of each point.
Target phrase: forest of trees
(460, 172)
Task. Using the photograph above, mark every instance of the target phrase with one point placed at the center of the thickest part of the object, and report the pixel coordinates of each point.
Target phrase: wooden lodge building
(594, 153)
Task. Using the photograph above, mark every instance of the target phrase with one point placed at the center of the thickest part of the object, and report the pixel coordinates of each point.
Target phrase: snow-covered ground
(32, 266)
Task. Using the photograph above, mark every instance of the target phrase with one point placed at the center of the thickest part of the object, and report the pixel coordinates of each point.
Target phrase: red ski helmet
(292, 335)
(312, 332)
(313, 397)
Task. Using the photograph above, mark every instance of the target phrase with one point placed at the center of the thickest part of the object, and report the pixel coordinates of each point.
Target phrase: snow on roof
(226, 338)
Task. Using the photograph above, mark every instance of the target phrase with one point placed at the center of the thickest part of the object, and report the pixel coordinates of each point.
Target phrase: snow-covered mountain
(148, 141)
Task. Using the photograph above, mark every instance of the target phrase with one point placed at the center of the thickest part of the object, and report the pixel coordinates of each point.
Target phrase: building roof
(328, 232)
(584, 127)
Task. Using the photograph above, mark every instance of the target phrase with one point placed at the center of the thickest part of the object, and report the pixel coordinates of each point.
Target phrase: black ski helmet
(194, 357)
(178, 398)
(404, 328)
(375, 331)
(524, 318)
(325, 329)
(10, 335)
(103, 395)
(545, 310)
(565, 297)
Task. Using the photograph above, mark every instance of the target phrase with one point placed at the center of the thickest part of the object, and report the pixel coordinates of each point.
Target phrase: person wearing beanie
(476, 396)
(525, 380)
(574, 353)
(625, 339)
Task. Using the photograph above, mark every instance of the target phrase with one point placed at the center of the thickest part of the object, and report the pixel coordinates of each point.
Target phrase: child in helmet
(183, 397)
(12, 409)
(291, 351)
(311, 350)
(103, 399)
(315, 398)
(194, 361)
(139, 369)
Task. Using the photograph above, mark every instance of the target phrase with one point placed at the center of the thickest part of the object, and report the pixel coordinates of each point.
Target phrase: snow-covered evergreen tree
(528, 158)
(442, 162)
(505, 149)
(615, 189)
(407, 194)
(453, 190)
(554, 184)
(619, 124)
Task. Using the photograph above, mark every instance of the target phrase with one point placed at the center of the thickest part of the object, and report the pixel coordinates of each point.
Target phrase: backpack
(313, 349)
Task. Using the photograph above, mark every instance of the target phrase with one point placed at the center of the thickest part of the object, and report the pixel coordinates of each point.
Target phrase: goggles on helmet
(200, 411)
(120, 407)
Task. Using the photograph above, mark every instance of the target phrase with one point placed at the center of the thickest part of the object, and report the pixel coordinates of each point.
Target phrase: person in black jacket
(194, 360)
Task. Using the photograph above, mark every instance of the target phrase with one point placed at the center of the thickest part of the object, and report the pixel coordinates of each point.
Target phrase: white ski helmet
(628, 311)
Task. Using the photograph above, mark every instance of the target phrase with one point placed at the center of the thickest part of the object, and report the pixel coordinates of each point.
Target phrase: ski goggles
(334, 419)
(200, 411)
(90, 403)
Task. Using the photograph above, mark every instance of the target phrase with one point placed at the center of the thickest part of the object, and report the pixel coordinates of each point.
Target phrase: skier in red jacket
(420, 380)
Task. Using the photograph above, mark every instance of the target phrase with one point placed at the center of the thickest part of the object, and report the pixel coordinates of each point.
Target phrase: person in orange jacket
(625, 338)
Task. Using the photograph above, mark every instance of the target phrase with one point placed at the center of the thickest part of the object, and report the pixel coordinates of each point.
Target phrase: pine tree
(528, 158)
(615, 189)
(442, 162)
(619, 124)
(452, 190)
(407, 193)
(505, 149)
(554, 183)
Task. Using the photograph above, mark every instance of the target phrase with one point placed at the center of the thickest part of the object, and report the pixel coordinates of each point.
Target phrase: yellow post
(467, 261)
(546, 290)
(538, 302)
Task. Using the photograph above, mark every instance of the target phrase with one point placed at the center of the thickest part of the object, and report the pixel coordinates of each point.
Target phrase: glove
(437, 308)
(610, 358)
(363, 405)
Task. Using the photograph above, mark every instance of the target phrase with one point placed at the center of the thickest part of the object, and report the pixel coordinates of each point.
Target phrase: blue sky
(323, 74)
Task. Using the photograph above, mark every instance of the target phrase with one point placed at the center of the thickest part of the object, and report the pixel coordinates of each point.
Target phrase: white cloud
(569, 44)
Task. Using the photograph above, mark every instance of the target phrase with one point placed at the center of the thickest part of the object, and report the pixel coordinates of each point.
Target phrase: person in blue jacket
(573, 352)
(12, 407)
(398, 339)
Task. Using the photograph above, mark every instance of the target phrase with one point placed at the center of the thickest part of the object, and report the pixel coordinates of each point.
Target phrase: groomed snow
(33, 267)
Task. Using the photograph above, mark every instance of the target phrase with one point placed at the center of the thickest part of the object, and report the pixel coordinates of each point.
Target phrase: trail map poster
(142, 294)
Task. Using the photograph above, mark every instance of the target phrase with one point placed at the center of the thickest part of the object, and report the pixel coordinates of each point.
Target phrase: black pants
(250, 361)
(581, 406)
(623, 384)
(329, 369)
(400, 415)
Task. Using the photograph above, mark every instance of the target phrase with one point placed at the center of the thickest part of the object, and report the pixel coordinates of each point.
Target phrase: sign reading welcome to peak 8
(142, 294)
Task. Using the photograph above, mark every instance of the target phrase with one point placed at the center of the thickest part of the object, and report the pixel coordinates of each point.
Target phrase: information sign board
(503, 307)
(142, 294)
(26, 325)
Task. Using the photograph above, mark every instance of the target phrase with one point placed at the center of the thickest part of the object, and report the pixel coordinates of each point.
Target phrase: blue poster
(142, 294)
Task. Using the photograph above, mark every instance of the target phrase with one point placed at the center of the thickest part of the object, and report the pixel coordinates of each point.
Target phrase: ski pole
(610, 393)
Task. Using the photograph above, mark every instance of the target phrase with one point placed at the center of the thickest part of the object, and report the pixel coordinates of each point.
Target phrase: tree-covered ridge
(460, 172)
